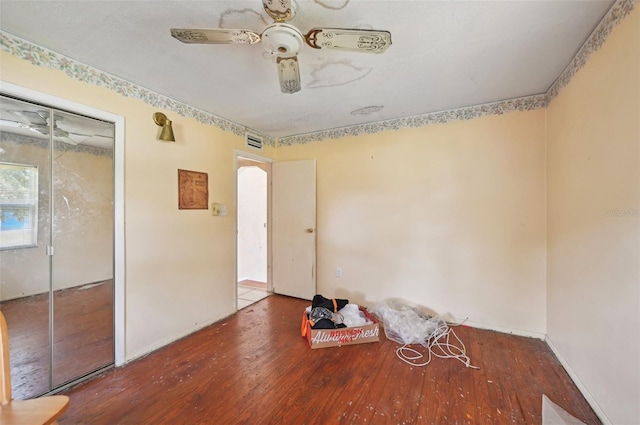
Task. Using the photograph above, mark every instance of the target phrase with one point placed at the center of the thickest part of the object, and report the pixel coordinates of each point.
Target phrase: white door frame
(118, 159)
(249, 155)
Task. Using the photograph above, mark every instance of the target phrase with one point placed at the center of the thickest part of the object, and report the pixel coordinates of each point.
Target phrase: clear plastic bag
(406, 325)
(353, 316)
(319, 313)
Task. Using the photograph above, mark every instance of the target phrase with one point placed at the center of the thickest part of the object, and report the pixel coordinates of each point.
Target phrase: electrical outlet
(338, 271)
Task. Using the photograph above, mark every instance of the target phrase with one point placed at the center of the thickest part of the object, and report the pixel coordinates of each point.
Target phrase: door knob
(309, 230)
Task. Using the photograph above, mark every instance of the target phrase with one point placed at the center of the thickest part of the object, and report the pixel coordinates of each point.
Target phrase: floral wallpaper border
(618, 11)
(496, 108)
(40, 56)
(615, 15)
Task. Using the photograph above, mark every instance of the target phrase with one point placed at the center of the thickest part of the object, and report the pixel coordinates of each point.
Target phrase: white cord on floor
(447, 350)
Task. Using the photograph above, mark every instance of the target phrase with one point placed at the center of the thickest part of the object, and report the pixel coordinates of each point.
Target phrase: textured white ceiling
(445, 54)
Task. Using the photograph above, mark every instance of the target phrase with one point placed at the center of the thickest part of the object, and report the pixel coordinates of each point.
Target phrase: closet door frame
(118, 158)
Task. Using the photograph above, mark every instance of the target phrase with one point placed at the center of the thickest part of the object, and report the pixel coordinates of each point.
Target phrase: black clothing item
(320, 301)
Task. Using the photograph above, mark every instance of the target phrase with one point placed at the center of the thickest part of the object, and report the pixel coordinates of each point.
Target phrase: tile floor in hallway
(248, 295)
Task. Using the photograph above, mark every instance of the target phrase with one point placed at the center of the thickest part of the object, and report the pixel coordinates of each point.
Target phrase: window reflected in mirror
(18, 205)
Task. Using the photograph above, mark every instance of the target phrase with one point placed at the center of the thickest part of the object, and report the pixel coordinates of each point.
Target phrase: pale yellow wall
(180, 264)
(450, 217)
(593, 186)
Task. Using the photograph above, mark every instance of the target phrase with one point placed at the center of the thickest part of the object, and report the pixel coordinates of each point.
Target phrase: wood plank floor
(254, 368)
(253, 284)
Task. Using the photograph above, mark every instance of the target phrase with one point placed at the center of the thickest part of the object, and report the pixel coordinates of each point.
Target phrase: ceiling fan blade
(73, 133)
(13, 124)
(215, 36)
(58, 132)
(40, 129)
(289, 74)
(368, 41)
(32, 117)
(279, 10)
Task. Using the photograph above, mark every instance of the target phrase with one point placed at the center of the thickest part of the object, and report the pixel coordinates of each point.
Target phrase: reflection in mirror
(82, 232)
(56, 172)
(24, 271)
(18, 205)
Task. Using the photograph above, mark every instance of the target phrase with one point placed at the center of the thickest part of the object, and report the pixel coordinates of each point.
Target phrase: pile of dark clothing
(324, 313)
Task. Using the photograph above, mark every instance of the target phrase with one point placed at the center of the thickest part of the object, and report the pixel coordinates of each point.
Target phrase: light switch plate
(218, 210)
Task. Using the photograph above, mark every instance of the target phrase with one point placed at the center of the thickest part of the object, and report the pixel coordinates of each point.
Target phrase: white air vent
(253, 141)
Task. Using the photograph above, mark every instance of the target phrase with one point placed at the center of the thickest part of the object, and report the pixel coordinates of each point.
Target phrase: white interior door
(293, 197)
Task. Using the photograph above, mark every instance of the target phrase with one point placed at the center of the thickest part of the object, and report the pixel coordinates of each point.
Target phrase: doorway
(252, 232)
(57, 198)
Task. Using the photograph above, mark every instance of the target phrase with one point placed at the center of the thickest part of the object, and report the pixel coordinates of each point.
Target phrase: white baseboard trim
(583, 389)
(502, 329)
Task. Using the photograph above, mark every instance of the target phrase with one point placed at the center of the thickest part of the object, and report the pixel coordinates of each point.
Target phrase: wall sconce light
(166, 134)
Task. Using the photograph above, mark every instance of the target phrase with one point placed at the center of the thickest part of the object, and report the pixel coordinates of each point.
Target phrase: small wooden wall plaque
(193, 190)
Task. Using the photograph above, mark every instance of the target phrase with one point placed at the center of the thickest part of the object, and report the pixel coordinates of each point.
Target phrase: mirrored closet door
(56, 244)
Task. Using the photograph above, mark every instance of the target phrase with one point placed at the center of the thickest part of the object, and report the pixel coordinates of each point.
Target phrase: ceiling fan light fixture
(282, 40)
(166, 133)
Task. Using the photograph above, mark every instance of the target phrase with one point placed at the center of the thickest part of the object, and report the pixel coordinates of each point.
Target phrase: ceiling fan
(284, 41)
(38, 122)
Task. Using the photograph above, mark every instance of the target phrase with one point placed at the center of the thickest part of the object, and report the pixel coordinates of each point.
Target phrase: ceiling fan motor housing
(282, 40)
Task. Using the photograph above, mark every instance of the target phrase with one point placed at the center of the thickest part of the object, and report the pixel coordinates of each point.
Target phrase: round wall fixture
(282, 40)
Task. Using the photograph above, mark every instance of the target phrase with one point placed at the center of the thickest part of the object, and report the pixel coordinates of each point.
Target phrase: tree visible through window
(18, 205)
